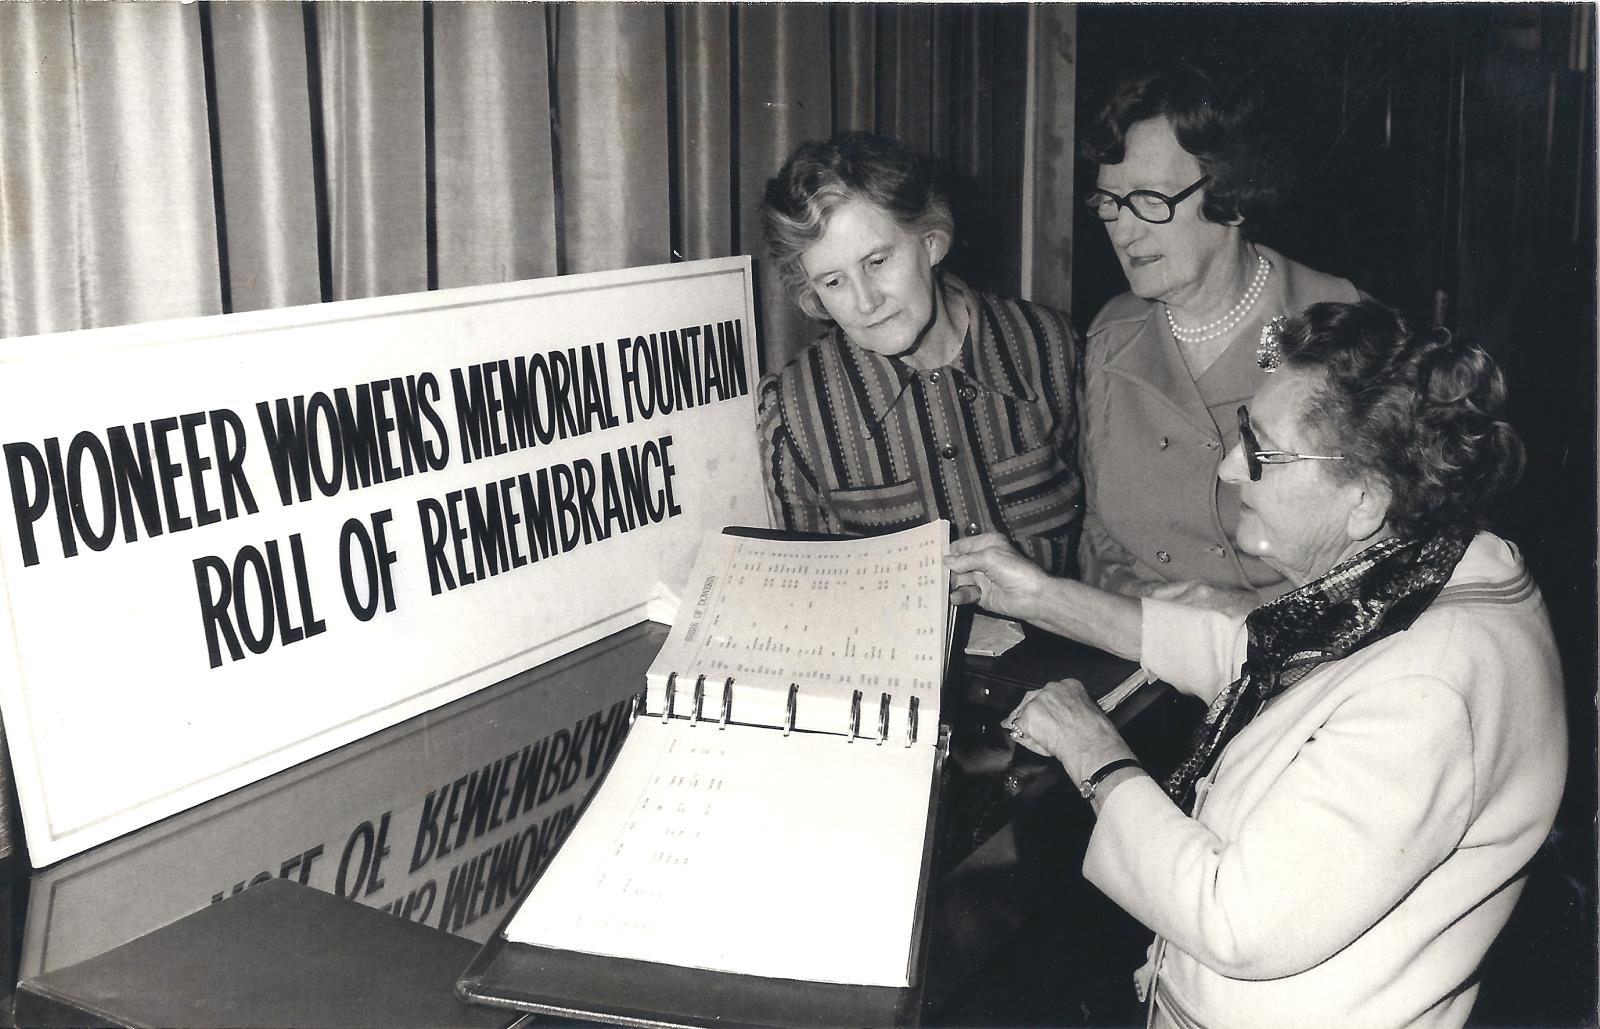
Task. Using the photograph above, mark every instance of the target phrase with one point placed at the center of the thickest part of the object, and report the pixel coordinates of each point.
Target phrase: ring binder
(575, 935)
(699, 700)
(763, 646)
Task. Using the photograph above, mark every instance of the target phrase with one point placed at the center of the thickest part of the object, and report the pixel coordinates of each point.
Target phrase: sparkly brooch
(1267, 354)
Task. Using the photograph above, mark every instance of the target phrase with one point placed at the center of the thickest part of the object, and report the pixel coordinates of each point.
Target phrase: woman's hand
(1061, 721)
(1227, 600)
(989, 570)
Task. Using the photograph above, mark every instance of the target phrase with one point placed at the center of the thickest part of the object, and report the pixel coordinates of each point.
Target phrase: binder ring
(672, 693)
(883, 719)
(794, 701)
(727, 703)
(855, 716)
(911, 722)
(699, 701)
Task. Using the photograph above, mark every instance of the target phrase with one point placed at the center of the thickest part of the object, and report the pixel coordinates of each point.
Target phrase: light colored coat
(1362, 841)
(1154, 510)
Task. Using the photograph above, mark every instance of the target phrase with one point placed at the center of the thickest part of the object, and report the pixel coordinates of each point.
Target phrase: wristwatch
(1089, 785)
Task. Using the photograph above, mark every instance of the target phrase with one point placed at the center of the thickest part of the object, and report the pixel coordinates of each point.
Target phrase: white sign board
(230, 544)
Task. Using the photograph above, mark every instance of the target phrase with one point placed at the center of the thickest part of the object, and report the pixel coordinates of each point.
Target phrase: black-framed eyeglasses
(1146, 204)
(1255, 457)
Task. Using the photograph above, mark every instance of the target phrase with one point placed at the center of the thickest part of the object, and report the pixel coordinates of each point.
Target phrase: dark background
(1445, 163)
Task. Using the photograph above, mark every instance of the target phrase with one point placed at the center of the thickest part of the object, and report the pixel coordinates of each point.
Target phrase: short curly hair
(1223, 128)
(822, 176)
(1418, 410)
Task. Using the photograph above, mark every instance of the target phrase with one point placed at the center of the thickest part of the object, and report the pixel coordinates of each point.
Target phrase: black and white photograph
(798, 515)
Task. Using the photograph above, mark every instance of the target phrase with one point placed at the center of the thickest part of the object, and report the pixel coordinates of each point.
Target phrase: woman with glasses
(1184, 171)
(1384, 748)
(923, 398)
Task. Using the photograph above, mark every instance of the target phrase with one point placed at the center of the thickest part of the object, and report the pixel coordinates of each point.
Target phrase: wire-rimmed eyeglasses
(1255, 457)
(1146, 204)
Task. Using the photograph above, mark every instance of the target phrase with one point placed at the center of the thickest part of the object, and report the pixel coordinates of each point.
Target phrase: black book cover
(277, 954)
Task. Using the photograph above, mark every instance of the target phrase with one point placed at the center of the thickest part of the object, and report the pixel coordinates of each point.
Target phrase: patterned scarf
(1374, 594)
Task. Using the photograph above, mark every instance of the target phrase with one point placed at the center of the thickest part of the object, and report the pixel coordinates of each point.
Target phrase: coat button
(1217, 549)
(935, 375)
(973, 529)
(948, 452)
(1161, 444)
(968, 393)
(1212, 444)
(1163, 556)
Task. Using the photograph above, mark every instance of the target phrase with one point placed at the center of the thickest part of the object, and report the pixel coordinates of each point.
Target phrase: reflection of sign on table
(234, 543)
(442, 819)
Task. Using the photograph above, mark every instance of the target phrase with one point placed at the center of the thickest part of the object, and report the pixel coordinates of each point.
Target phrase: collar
(986, 359)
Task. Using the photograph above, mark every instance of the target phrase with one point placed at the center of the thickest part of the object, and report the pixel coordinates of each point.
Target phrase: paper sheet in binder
(768, 813)
(805, 626)
(729, 850)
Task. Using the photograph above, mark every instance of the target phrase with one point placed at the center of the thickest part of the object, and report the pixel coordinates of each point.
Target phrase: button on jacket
(861, 444)
(1154, 509)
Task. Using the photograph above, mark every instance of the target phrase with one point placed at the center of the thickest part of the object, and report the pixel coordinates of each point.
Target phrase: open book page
(741, 850)
(829, 617)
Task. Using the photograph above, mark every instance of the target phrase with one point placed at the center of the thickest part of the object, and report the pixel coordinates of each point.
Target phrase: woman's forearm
(1109, 621)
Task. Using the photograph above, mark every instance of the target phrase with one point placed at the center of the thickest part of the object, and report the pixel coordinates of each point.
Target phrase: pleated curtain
(164, 160)
(167, 160)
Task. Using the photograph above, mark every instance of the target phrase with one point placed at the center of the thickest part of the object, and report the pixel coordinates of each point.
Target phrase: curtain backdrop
(166, 160)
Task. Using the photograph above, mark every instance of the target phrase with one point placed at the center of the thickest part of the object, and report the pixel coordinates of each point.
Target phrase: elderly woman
(1385, 744)
(924, 398)
(1184, 172)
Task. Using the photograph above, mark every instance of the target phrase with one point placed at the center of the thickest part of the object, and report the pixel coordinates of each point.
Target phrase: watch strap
(1099, 775)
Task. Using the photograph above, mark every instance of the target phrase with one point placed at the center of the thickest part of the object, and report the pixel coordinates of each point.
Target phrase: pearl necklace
(1226, 324)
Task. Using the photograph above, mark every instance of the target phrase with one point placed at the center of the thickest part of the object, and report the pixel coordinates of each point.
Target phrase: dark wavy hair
(1224, 128)
(823, 175)
(1419, 410)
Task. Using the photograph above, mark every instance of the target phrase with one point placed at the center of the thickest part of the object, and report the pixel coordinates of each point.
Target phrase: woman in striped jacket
(924, 398)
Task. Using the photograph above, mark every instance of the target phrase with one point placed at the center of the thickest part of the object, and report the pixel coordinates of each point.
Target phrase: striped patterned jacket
(860, 444)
